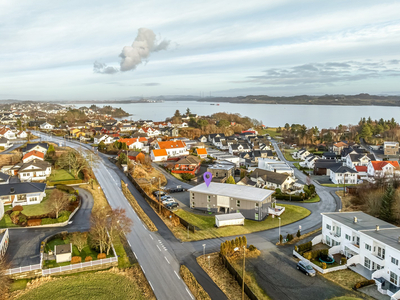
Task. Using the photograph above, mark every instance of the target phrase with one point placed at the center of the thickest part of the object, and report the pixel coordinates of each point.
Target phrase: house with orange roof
(7, 133)
(202, 152)
(338, 147)
(132, 143)
(173, 148)
(159, 155)
(383, 168)
(32, 155)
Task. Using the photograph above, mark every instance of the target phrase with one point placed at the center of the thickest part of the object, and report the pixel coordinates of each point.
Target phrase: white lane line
(143, 226)
(158, 247)
(166, 259)
(129, 244)
(188, 293)
(177, 275)
(143, 270)
(150, 236)
(135, 254)
(152, 286)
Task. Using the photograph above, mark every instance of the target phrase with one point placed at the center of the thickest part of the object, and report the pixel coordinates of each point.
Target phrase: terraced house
(24, 193)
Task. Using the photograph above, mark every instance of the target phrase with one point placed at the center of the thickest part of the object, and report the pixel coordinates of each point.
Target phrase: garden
(56, 207)
(84, 249)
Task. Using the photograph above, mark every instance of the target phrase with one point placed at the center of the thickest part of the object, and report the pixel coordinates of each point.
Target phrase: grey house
(252, 203)
(222, 169)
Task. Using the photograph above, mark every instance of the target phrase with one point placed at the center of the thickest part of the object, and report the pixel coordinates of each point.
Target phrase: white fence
(23, 269)
(277, 210)
(79, 266)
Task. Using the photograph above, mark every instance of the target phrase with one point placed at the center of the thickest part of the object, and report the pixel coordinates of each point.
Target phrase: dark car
(306, 268)
(172, 205)
(158, 193)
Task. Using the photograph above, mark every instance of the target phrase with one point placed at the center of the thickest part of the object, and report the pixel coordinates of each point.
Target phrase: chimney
(354, 219)
(377, 227)
(12, 191)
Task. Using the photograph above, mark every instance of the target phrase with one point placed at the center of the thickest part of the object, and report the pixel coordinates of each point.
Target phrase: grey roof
(62, 249)
(364, 221)
(326, 163)
(342, 169)
(3, 140)
(233, 190)
(221, 166)
(21, 188)
(4, 177)
(269, 176)
(234, 216)
(329, 154)
(39, 164)
(389, 236)
(29, 147)
(357, 157)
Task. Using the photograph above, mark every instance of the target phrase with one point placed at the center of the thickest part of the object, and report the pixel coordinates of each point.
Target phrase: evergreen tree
(386, 204)
(51, 151)
(298, 234)
(230, 180)
(244, 241)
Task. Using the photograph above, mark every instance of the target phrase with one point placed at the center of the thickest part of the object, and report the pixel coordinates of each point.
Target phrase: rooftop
(233, 216)
(219, 166)
(62, 249)
(388, 236)
(233, 191)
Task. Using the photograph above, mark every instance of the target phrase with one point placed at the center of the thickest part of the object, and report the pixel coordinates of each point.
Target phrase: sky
(105, 50)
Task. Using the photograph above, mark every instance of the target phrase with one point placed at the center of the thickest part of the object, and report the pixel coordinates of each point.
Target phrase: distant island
(350, 100)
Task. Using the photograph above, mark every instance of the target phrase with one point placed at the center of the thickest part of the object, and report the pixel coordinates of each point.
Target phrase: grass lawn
(344, 278)
(19, 284)
(63, 175)
(177, 176)
(99, 286)
(346, 298)
(5, 222)
(271, 131)
(312, 200)
(207, 230)
(287, 153)
(38, 209)
(123, 259)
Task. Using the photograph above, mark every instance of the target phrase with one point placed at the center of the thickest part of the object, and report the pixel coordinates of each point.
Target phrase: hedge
(101, 256)
(361, 284)
(66, 188)
(62, 182)
(76, 259)
(88, 258)
(18, 208)
(34, 222)
(304, 247)
(288, 197)
(315, 254)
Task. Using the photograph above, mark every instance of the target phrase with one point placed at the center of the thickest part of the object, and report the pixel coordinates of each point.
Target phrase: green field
(62, 175)
(88, 286)
(207, 230)
(337, 185)
(271, 131)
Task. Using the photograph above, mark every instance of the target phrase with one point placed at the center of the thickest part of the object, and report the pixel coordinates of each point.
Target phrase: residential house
(203, 139)
(149, 131)
(338, 147)
(390, 148)
(275, 166)
(222, 169)
(34, 170)
(323, 166)
(355, 149)
(213, 135)
(257, 154)
(159, 155)
(362, 171)
(4, 179)
(201, 152)
(133, 143)
(136, 155)
(383, 168)
(328, 155)
(46, 126)
(24, 193)
(33, 155)
(368, 243)
(252, 203)
(189, 165)
(272, 180)
(105, 138)
(41, 147)
(239, 148)
(127, 128)
(343, 174)
(309, 162)
(7, 133)
(5, 143)
(170, 131)
(363, 159)
(22, 135)
(173, 148)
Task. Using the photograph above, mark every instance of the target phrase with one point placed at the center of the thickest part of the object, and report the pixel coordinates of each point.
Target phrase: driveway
(172, 182)
(24, 247)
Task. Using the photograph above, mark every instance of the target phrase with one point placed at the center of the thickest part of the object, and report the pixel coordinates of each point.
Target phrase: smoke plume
(132, 56)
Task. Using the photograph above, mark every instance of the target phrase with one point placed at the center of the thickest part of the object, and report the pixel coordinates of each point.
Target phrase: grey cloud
(151, 84)
(325, 73)
(101, 68)
(132, 56)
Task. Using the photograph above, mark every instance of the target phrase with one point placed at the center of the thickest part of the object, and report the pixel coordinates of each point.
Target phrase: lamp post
(243, 273)
(279, 219)
(204, 251)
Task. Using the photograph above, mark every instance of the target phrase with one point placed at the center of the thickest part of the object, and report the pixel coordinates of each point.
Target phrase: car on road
(306, 268)
(169, 200)
(172, 205)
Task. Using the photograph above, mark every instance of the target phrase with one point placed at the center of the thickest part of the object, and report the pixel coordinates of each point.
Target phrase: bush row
(63, 216)
(363, 283)
(227, 247)
(63, 182)
(66, 188)
(303, 247)
(315, 254)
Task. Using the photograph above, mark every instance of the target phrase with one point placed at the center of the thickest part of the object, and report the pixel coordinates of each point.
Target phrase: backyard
(62, 175)
(207, 230)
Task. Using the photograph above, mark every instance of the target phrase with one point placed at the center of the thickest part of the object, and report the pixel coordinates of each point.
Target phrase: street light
(204, 251)
(279, 229)
(244, 267)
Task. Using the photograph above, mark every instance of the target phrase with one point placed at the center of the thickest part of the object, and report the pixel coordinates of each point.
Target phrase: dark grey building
(222, 169)
(252, 203)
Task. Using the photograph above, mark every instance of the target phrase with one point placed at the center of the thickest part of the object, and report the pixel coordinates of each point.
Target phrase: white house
(24, 193)
(338, 147)
(353, 160)
(383, 168)
(159, 155)
(309, 161)
(272, 180)
(63, 253)
(46, 126)
(103, 138)
(7, 133)
(35, 170)
(41, 147)
(203, 139)
(150, 131)
(239, 148)
(33, 155)
(22, 135)
(301, 154)
(343, 174)
(369, 243)
(5, 143)
(275, 166)
(173, 148)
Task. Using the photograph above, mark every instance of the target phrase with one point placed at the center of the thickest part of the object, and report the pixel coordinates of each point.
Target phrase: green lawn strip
(271, 131)
(19, 284)
(5, 222)
(314, 199)
(63, 175)
(207, 230)
(288, 155)
(38, 209)
(99, 286)
(336, 185)
(123, 259)
(297, 165)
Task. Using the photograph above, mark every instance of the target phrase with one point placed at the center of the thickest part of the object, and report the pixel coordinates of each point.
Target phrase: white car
(169, 200)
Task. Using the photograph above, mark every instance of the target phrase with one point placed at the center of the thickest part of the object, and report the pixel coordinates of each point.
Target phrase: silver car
(306, 268)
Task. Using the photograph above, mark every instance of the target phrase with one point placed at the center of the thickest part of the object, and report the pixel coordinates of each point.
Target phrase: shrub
(14, 217)
(280, 239)
(22, 218)
(323, 265)
(343, 260)
(65, 188)
(47, 221)
(307, 255)
(363, 283)
(304, 247)
(298, 234)
(63, 182)
(76, 259)
(73, 198)
(88, 258)
(187, 177)
(101, 256)
(34, 222)
(296, 248)
(252, 248)
(288, 197)
(64, 215)
(17, 208)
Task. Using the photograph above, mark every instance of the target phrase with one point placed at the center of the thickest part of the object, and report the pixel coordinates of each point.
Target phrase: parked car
(172, 205)
(169, 200)
(306, 268)
(158, 193)
(165, 197)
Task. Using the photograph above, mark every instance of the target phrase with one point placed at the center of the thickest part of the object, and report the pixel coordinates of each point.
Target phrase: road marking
(151, 286)
(129, 244)
(135, 254)
(177, 275)
(166, 259)
(150, 236)
(143, 226)
(188, 293)
(143, 270)
(158, 247)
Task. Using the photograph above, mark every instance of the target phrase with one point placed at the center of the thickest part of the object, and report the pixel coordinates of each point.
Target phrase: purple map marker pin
(207, 178)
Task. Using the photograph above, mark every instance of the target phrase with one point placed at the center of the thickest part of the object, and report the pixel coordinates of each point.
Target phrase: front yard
(288, 155)
(344, 278)
(207, 230)
(314, 199)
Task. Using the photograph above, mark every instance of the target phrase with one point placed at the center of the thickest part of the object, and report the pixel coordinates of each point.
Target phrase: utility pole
(243, 273)
(159, 194)
(344, 184)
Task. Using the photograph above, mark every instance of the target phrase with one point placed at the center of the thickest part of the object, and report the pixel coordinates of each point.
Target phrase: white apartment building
(371, 244)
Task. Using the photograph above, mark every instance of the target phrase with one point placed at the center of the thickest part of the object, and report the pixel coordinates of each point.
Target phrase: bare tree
(58, 201)
(98, 230)
(79, 239)
(72, 160)
(5, 280)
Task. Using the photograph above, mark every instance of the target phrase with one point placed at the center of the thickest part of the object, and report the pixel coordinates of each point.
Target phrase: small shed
(63, 252)
(229, 219)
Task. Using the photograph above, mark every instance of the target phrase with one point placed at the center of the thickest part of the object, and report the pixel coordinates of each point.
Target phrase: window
(367, 263)
(237, 203)
(256, 205)
(256, 216)
(208, 198)
(208, 207)
(395, 261)
(348, 237)
(368, 247)
(381, 252)
(192, 196)
(193, 204)
(393, 278)
(328, 227)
